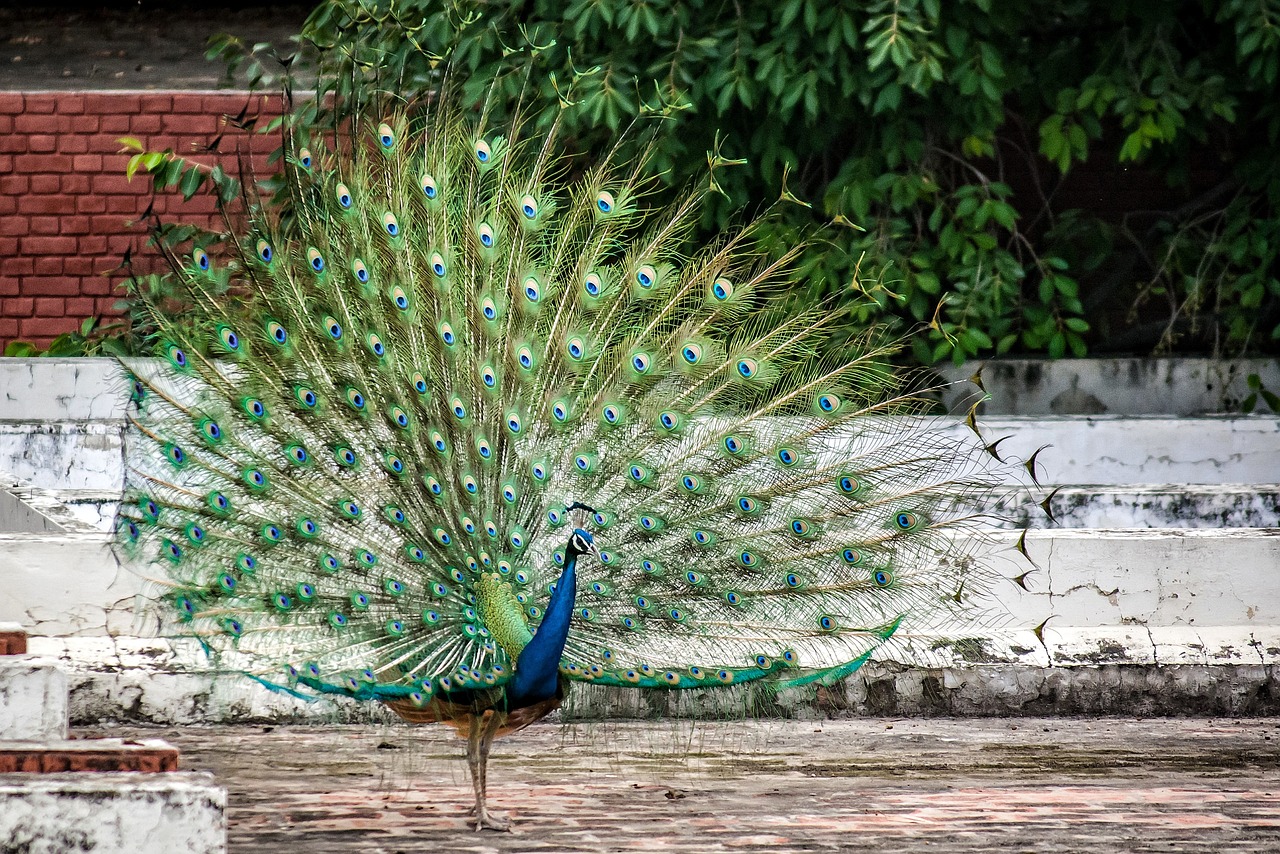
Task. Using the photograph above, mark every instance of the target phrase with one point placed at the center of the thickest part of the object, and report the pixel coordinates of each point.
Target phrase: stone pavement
(873, 785)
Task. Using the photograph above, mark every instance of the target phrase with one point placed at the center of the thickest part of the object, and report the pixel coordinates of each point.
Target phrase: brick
(17, 266)
(118, 185)
(8, 326)
(6, 124)
(85, 124)
(32, 163)
(81, 307)
(13, 226)
(108, 103)
(8, 205)
(116, 124)
(13, 143)
(48, 266)
(184, 125)
(71, 103)
(41, 102)
(19, 307)
(32, 123)
(46, 204)
(87, 163)
(78, 265)
(40, 143)
(45, 184)
(73, 143)
(58, 286)
(14, 184)
(74, 185)
(47, 306)
(46, 224)
(85, 203)
(125, 205)
(107, 306)
(48, 245)
(73, 225)
(94, 244)
(8, 247)
(11, 103)
(156, 103)
(145, 124)
(47, 327)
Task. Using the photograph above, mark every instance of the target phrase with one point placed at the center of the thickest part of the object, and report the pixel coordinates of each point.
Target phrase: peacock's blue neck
(538, 666)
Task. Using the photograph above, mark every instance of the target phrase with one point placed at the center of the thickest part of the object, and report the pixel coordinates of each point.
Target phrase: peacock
(445, 419)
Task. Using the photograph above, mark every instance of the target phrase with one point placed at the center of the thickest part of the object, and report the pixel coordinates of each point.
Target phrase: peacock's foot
(484, 820)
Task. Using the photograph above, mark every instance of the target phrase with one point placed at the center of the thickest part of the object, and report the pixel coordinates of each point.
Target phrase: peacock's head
(581, 542)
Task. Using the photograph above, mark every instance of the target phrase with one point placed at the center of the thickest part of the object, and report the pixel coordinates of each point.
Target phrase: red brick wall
(65, 202)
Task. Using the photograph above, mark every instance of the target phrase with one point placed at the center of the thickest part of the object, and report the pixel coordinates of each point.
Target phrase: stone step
(112, 813)
(99, 755)
(33, 699)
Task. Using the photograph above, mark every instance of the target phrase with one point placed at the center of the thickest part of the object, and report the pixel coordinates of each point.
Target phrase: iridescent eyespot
(385, 137)
(800, 527)
(525, 356)
(361, 272)
(315, 259)
(265, 252)
(447, 335)
(488, 377)
(333, 328)
(485, 233)
(560, 411)
(669, 420)
(641, 363)
(297, 454)
(829, 403)
(592, 284)
(611, 414)
(792, 580)
(646, 276)
(390, 225)
(529, 207)
(276, 332)
(733, 444)
(722, 289)
(851, 556)
(304, 158)
(483, 151)
(429, 187)
(419, 383)
(437, 265)
(532, 290)
(848, 485)
(219, 502)
(748, 559)
(575, 348)
(882, 577)
(906, 521)
(747, 505)
(228, 338)
(787, 457)
(201, 258)
(513, 422)
(692, 353)
(604, 201)
(748, 368)
(344, 195)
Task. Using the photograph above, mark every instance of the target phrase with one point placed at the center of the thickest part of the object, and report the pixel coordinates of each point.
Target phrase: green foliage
(93, 338)
(913, 121)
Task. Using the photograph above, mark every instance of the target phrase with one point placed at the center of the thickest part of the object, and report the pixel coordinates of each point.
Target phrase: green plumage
(353, 458)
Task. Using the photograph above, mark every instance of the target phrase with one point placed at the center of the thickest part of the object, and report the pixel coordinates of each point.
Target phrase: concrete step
(112, 813)
(33, 699)
(95, 755)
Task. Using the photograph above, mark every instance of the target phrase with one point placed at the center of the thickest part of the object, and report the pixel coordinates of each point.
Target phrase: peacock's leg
(483, 729)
